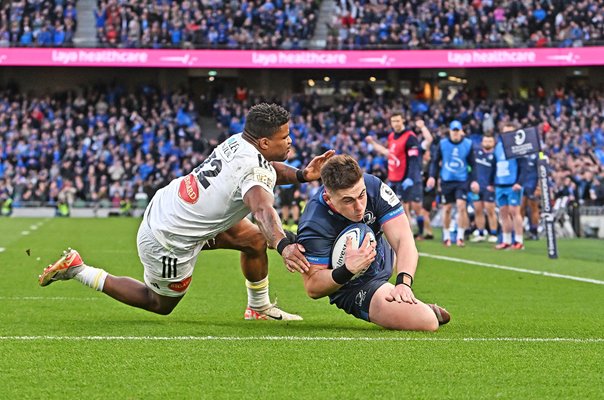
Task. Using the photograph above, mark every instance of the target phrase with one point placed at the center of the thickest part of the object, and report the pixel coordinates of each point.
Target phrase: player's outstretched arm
(260, 202)
(312, 172)
(376, 146)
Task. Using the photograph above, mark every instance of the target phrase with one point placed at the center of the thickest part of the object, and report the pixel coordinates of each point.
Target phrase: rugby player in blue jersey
(508, 182)
(485, 168)
(450, 161)
(349, 196)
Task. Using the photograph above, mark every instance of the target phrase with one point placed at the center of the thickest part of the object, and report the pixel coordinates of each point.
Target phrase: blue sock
(420, 225)
(494, 232)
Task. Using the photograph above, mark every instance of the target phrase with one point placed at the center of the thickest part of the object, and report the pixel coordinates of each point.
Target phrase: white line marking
(522, 270)
(17, 298)
(302, 339)
(2, 249)
(25, 233)
(33, 227)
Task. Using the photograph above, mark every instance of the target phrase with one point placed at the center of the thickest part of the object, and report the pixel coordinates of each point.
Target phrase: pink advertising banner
(370, 59)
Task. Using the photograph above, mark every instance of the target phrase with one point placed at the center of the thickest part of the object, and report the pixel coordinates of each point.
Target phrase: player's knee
(157, 305)
(431, 324)
(256, 244)
(164, 310)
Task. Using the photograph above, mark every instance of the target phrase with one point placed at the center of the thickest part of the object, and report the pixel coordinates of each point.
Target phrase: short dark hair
(264, 120)
(397, 114)
(341, 172)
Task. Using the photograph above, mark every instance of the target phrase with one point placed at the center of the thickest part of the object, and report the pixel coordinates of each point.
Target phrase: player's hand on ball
(358, 260)
(312, 172)
(402, 294)
(294, 259)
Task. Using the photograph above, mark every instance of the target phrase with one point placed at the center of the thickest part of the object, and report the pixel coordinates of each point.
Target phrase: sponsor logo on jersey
(360, 298)
(180, 286)
(369, 217)
(388, 195)
(261, 175)
(188, 189)
(229, 148)
(413, 152)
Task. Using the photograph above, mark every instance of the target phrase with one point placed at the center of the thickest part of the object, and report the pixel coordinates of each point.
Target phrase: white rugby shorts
(168, 272)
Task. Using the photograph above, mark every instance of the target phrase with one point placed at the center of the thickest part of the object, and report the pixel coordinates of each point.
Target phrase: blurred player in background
(530, 195)
(207, 209)
(485, 169)
(450, 161)
(349, 196)
(290, 210)
(404, 164)
(508, 179)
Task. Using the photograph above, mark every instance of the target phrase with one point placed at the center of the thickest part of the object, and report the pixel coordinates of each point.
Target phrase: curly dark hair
(264, 120)
(341, 172)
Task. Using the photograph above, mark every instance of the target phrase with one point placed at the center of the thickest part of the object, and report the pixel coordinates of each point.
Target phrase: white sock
(92, 277)
(257, 294)
(507, 238)
(446, 234)
(519, 239)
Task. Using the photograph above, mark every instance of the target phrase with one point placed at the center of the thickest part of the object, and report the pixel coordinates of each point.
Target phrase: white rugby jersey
(209, 200)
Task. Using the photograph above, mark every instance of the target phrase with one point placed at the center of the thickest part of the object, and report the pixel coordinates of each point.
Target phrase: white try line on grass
(43, 298)
(521, 270)
(297, 339)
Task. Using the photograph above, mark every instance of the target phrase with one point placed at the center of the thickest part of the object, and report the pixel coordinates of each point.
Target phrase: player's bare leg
(492, 218)
(247, 238)
(533, 205)
(518, 227)
(463, 221)
(403, 316)
(447, 224)
(419, 217)
(480, 221)
(427, 224)
(123, 289)
(507, 226)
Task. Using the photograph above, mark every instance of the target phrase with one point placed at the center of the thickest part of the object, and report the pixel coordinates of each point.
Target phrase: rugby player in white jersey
(207, 209)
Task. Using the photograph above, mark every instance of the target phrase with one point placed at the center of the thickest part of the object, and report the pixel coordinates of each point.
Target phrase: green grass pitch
(513, 335)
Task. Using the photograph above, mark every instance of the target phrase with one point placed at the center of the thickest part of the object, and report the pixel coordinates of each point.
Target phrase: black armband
(300, 176)
(341, 275)
(404, 279)
(283, 243)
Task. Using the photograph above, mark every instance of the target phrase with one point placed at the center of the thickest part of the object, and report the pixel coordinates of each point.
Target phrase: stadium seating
(461, 24)
(38, 24)
(111, 146)
(235, 25)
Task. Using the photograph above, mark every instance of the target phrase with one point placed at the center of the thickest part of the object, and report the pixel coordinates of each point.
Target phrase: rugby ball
(357, 233)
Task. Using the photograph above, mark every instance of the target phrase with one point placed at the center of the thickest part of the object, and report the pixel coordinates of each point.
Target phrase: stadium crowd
(236, 24)
(458, 24)
(104, 146)
(38, 23)
(289, 24)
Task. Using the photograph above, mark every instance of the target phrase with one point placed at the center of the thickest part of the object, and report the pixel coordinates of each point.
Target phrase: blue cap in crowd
(455, 125)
